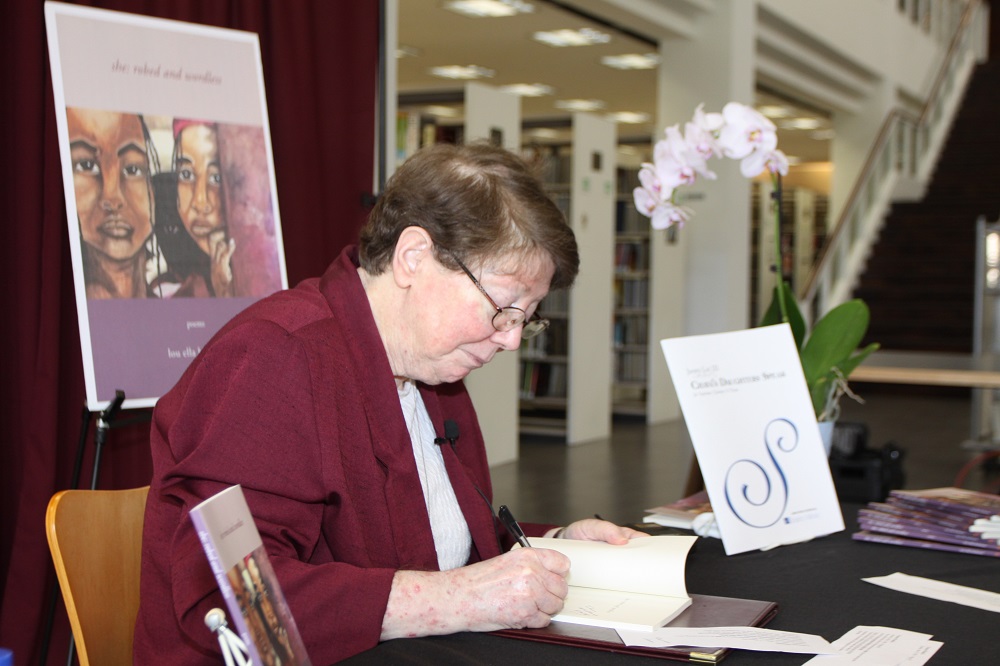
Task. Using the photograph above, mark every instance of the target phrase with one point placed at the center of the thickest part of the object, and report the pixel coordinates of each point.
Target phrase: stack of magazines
(952, 519)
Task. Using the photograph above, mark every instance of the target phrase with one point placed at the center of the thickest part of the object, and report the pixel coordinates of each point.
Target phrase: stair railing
(907, 147)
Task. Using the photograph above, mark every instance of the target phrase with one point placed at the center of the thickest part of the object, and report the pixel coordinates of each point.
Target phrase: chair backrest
(95, 537)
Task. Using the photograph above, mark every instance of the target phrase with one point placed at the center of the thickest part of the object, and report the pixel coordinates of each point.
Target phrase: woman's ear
(413, 248)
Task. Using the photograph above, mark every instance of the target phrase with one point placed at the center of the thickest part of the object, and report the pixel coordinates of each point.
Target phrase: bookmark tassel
(234, 650)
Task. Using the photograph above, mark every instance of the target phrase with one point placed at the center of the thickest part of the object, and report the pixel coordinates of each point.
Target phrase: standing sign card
(751, 421)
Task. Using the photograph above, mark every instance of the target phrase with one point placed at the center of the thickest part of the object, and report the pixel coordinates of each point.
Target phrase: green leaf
(773, 314)
(834, 339)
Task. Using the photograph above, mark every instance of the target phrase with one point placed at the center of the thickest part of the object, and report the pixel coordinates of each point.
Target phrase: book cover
(874, 537)
(704, 611)
(680, 513)
(257, 606)
(639, 585)
(917, 521)
(958, 501)
(903, 530)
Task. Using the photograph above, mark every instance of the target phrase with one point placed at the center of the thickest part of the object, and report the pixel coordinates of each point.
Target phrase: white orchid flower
(757, 162)
(710, 122)
(672, 161)
(667, 215)
(746, 130)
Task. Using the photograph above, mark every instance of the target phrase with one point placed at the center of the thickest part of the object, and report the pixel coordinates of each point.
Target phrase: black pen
(507, 518)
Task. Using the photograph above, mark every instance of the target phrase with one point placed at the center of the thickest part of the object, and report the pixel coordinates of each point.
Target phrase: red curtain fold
(320, 70)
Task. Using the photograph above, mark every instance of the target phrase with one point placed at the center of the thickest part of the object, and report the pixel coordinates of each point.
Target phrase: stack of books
(951, 519)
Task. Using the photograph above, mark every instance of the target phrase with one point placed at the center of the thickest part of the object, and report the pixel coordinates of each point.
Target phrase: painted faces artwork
(111, 180)
(199, 183)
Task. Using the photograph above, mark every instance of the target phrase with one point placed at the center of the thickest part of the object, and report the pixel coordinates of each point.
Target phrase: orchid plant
(829, 353)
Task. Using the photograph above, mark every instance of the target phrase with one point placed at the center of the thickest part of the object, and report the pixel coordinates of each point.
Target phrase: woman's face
(199, 183)
(452, 332)
(111, 179)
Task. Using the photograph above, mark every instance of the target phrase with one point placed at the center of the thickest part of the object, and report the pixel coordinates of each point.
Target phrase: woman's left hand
(593, 529)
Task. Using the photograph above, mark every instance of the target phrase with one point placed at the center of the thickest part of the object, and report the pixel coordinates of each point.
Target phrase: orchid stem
(778, 268)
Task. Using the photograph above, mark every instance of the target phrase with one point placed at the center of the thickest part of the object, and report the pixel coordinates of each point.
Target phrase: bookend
(860, 473)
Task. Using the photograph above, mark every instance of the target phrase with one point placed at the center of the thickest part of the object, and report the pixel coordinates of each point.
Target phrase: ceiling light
(403, 51)
(529, 89)
(802, 124)
(544, 133)
(489, 8)
(823, 135)
(465, 72)
(580, 104)
(583, 37)
(629, 117)
(632, 61)
(774, 111)
(441, 111)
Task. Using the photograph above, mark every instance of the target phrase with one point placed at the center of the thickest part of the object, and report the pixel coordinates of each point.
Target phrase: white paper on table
(741, 638)
(754, 431)
(940, 590)
(879, 646)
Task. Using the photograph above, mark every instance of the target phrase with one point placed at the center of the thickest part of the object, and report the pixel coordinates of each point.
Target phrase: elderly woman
(327, 403)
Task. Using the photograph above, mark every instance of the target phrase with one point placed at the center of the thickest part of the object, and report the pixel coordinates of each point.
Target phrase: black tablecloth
(817, 586)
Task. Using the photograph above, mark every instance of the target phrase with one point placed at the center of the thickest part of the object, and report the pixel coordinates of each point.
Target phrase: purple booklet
(955, 501)
(873, 537)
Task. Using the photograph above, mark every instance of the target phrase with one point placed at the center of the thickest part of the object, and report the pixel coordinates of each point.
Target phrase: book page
(647, 565)
(619, 610)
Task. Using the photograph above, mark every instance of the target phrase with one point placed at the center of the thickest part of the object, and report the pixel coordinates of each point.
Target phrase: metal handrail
(819, 278)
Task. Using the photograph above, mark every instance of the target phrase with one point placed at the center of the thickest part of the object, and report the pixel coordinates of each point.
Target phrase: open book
(638, 585)
(257, 606)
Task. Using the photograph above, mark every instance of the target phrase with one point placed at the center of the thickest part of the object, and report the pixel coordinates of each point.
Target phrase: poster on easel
(754, 432)
(169, 182)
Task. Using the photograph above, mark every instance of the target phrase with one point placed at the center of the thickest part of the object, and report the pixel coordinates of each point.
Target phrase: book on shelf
(681, 513)
(638, 585)
(256, 603)
(934, 518)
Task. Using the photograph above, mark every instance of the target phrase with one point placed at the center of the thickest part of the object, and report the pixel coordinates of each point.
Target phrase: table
(817, 586)
(929, 369)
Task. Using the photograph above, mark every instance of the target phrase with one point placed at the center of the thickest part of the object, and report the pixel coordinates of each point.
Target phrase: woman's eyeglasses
(508, 318)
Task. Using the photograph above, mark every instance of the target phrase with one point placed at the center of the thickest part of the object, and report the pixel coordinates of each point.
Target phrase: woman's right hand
(521, 588)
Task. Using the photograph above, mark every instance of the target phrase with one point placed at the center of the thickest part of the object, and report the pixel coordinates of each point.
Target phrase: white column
(494, 387)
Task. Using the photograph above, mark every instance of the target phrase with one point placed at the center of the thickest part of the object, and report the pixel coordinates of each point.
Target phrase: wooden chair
(95, 537)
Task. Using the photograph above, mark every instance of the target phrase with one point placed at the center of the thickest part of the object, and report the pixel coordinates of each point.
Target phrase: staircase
(919, 280)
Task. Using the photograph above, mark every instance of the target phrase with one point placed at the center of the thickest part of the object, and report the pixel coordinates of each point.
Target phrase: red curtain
(320, 71)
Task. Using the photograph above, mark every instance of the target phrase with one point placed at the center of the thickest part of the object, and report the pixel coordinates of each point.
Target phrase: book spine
(917, 522)
(235, 612)
(925, 534)
(978, 505)
(918, 543)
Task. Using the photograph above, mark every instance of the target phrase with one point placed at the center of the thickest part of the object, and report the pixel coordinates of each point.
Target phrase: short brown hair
(479, 202)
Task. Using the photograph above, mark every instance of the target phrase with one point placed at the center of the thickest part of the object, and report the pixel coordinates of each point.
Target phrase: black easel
(105, 421)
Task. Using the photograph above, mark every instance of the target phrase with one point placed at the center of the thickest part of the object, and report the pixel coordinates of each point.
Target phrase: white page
(638, 585)
(936, 589)
(741, 638)
(619, 610)
(647, 565)
(879, 646)
(751, 421)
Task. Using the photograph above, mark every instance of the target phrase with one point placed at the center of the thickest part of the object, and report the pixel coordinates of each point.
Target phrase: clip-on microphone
(450, 433)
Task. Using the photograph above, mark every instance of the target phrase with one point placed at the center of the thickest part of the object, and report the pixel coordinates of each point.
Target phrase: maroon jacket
(294, 400)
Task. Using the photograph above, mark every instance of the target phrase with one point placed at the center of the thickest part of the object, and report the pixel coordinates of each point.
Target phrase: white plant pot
(826, 434)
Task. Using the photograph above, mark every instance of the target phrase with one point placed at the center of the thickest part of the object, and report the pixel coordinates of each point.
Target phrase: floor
(643, 466)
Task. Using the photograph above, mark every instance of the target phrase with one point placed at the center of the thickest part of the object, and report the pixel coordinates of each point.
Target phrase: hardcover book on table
(257, 606)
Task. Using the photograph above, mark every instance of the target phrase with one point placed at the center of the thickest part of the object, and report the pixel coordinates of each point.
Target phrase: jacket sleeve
(245, 414)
